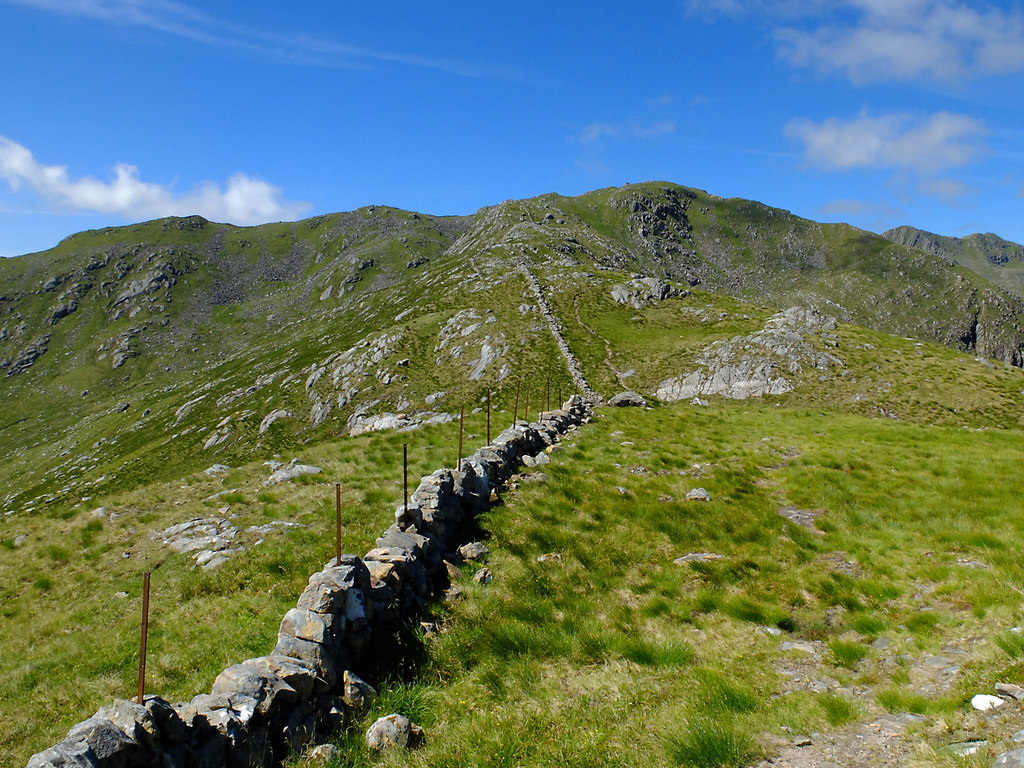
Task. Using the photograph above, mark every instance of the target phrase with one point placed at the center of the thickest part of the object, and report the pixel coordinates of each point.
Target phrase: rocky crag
(757, 365)
(989, 255)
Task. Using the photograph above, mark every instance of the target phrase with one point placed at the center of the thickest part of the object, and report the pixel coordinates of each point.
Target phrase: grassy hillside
(914, 433)
(155, 349)
(133, 359)
(900, 600)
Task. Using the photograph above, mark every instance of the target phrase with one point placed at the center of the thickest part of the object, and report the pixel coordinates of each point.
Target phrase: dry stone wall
(260, 710)
(575, 370)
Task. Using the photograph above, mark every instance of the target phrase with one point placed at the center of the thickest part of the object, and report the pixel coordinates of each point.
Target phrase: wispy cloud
(242, 200)
(887, 40)
(633, 129)
(949, 191)
(926, 145)
(658, 102)
(592, 166)
(181, 20)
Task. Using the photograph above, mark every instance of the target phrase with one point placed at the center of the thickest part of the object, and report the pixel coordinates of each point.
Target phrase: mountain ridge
(165, 342)
(999, 261)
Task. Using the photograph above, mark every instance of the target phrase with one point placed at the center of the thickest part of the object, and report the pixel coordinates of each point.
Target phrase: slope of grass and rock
(852, 408)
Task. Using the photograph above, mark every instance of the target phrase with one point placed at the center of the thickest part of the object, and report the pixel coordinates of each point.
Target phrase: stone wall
(573, 364)
(260, 710)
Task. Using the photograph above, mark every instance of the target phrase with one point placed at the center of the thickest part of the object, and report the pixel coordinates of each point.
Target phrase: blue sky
(874, 112)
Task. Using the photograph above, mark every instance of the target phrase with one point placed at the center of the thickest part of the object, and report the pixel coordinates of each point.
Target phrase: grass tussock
(709, 744)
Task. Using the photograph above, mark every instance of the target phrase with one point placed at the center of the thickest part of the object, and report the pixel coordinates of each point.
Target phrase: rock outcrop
(643, 291)
(28, 356)
(756, 365)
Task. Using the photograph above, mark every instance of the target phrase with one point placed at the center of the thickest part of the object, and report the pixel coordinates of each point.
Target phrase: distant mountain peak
(997, 260)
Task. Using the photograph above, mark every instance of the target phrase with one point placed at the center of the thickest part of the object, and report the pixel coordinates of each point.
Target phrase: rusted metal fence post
(337, 511)
(488, 417)
(405, 476)
(526, 404)
(515, 413)
(462, 416)
(145, 633)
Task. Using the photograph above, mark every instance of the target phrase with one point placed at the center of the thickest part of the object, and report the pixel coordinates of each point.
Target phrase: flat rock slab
(698, 557)
(803, 517)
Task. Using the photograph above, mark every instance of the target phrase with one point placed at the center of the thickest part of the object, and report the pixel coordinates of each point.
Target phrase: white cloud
(924, 144)
(885, 40)
(634, 129)
(242, 200)
(181, 20)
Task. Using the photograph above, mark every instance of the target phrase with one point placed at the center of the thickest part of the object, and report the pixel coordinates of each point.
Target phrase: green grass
(847, 653)
(709, 744)
(617, 637)
(838, 709)
(1012, 643)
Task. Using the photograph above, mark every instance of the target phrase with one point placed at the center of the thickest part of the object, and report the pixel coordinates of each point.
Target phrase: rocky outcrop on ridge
(643, 291)
(754, 365)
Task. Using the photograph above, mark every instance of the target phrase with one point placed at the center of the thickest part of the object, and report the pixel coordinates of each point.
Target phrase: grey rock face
(205, 538)
(359, 423)
(62, 311)
(290, 471)
(27, 357)
(754, 365)
(273, 416)
(474, 551)
(324, 753)
(319, 412)
(643, 291)
(697, 557)
(357, 694)
(258, 683)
